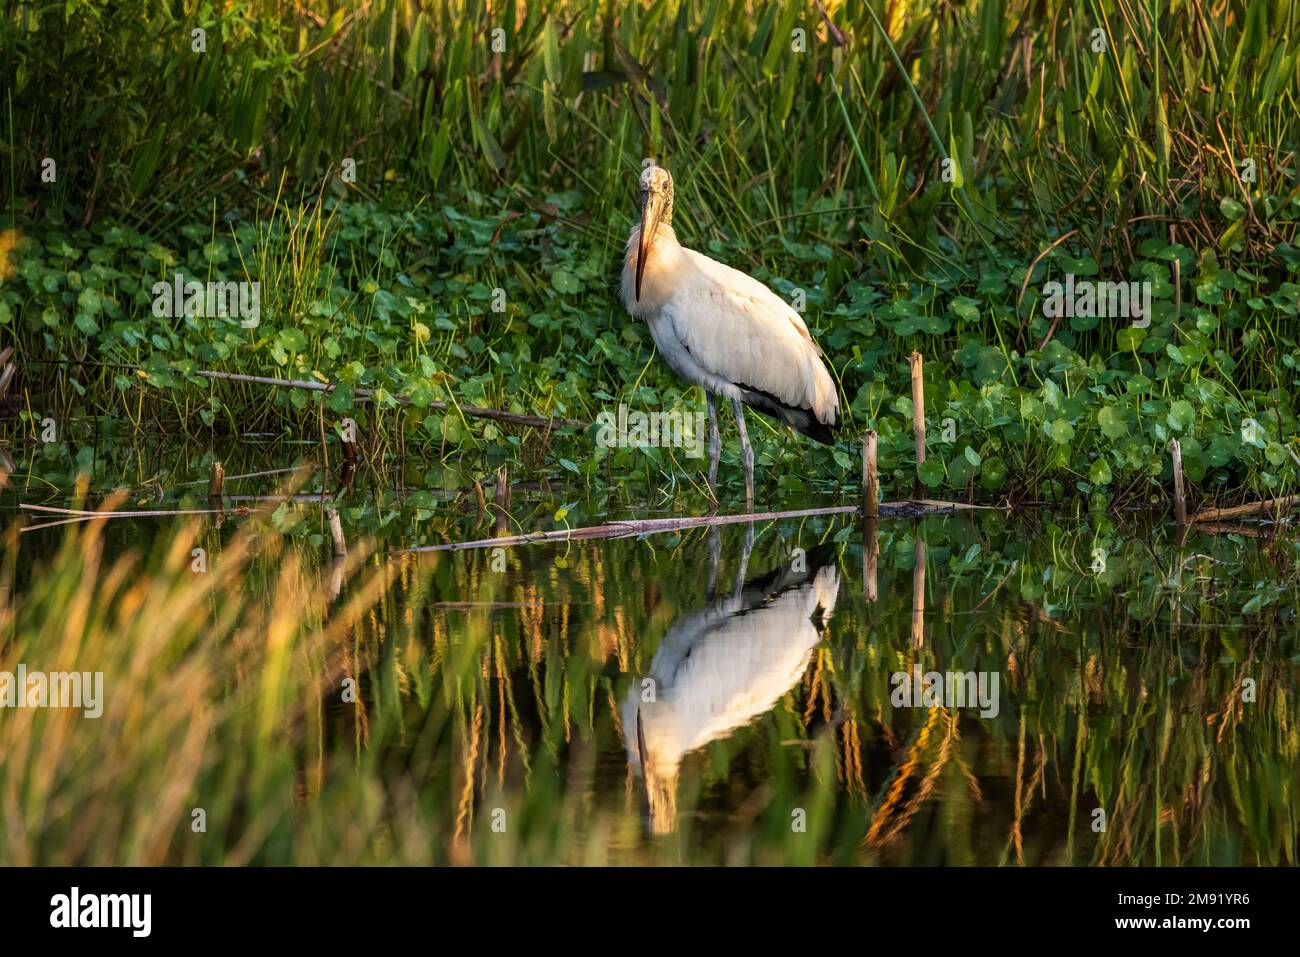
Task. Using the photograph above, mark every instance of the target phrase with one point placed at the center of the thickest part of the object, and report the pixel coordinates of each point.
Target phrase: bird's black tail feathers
(801, 420)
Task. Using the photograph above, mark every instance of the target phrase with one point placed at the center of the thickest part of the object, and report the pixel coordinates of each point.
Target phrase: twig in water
(1274, 505)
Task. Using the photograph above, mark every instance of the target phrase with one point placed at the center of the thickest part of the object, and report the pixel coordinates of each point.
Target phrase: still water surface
(764, 693)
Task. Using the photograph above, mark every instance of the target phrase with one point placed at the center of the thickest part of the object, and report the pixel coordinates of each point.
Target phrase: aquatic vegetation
(1090, 413)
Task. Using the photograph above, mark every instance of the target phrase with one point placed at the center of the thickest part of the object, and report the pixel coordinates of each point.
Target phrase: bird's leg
(746, 452)
(715, 445)
(715, 558)
(743, 572)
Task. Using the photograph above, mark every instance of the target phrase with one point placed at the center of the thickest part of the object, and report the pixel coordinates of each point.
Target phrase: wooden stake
(871, 558)
(918, 411)
(216, 489)
(870, 478)
(216, 480)
(918, 594)
(336, 533)
(503, 499)
(1180, 500)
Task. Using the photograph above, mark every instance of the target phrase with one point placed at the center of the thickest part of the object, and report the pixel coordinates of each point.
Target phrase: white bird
(721, 667)
(724, 331)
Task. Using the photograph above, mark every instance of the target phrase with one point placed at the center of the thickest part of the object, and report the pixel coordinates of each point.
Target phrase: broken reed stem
(151, 513)
(336, 533)
(502, 493)
(1180, 499)
(324, 452)
(870, 477)
(7, 370)
(918, 410)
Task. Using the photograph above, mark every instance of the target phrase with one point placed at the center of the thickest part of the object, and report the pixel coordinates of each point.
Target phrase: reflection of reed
(851, 746)
(885, 826)
(918, 594)
(870, 558)
(470, 747)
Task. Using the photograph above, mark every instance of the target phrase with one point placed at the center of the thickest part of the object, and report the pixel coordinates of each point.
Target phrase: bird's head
(656, 208)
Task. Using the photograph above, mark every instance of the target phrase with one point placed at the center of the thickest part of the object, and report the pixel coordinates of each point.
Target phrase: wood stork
(724, 331)
(722, 666)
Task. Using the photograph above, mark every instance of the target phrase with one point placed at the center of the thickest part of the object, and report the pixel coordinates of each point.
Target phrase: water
(767, 688)
(741, 694)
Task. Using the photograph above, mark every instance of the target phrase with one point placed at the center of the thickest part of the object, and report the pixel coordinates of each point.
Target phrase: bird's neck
(663, 263)
(663, 237)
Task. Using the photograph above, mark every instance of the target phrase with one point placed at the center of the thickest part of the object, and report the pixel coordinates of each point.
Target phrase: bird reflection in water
(722, 666)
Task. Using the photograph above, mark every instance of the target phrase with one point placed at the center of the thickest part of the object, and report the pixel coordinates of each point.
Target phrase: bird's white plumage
(719, 668)
(724, 330)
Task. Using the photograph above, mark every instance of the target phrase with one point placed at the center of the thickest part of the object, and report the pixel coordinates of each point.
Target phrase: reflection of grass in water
(1102, 707)
(223, 693)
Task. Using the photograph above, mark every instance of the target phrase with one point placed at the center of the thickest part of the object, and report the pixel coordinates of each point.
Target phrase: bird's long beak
(640, 740)
(652, 210)
(660, 790)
